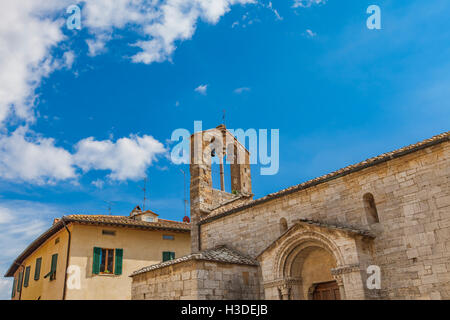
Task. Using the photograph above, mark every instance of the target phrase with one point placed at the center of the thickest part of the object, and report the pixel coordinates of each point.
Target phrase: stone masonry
(391, 211)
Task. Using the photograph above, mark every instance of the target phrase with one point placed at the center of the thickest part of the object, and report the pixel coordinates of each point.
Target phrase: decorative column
(349, 274)
(285, 287)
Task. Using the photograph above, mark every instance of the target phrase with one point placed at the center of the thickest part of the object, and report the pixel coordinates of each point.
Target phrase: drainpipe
(67, 257)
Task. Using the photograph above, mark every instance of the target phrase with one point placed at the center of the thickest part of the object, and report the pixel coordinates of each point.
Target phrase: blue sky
(74, 104)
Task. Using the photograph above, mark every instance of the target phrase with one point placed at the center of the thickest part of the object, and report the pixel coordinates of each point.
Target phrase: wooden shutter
(165, 256)
(172, 255)
(96, 260)
(53, 267)
(37, 270)
(13, 294)
(27, 276)
(119, 262)
(19, 282)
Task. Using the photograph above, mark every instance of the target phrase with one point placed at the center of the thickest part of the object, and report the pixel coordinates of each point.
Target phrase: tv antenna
(110, 204)
(184, 200)
(223, 116)
(145, 193)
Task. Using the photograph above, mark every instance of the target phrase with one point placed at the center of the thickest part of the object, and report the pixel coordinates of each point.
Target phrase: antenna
(223, 116)
(184, 200)
(145, 193)
(110, 204)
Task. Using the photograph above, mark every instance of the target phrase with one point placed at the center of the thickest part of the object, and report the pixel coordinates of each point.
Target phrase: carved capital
(282, 282)
(345, 269)
(338, 279)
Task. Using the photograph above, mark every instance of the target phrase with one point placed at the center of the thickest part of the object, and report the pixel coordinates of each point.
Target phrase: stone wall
(198, 280)
(412, 195)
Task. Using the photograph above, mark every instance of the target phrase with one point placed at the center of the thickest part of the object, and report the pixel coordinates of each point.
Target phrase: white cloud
(27, 157)
(98, 183)
(98, 45)
(201, 89)
(307, 3)
(310, 33)
(27, 35)
(31, 30)
(271, 8)
(162, 23)
(241, 90)
(128, 158)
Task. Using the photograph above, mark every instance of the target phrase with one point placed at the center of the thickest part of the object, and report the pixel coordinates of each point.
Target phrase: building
(387, 217)
(99, 253)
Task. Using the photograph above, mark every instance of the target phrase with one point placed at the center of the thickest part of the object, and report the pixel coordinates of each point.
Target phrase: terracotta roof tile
(128, 222)
(219, 254)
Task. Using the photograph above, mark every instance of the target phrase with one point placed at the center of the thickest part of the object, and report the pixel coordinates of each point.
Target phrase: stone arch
(294, 257)
(299, 240)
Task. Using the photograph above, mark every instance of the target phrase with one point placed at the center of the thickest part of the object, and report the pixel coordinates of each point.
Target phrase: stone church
(379, 229)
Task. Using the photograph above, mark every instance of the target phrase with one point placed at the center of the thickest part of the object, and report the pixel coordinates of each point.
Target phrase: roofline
(337, 174)
(60, 225)
(34, 246)
(192, 257)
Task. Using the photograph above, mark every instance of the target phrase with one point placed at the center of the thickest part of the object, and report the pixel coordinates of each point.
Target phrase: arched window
(283, 225)
(370, 209)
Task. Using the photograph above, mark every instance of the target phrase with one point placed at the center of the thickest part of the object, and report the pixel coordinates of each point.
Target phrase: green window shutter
(96, 260)
(19, 282)
(13, 294)
(27, 276)
(37, 270)
(165, 256)
(119, 262)
(54, 262)
(168, 255)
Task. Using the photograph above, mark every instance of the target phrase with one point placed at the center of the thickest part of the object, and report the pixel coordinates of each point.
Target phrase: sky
(86, 114)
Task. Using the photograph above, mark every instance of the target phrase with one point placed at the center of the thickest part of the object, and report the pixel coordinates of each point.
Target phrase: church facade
(379, 229)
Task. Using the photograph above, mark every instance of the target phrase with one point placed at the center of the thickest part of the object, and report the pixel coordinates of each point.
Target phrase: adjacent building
(99, 253)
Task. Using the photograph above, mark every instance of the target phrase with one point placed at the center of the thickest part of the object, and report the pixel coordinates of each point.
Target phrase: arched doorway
(312, 264)
(307, 262)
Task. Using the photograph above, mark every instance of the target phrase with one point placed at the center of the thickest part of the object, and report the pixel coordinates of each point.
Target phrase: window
(27, 276)
(168, 237)
(107, 261)
(370, 209)
(52, 273)
(108, 232)
(283, 225)
(37, 269)
(168, 255)
(148, 219)
(56, 240)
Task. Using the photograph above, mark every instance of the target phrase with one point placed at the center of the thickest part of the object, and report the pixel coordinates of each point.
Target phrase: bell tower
(220, 144)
